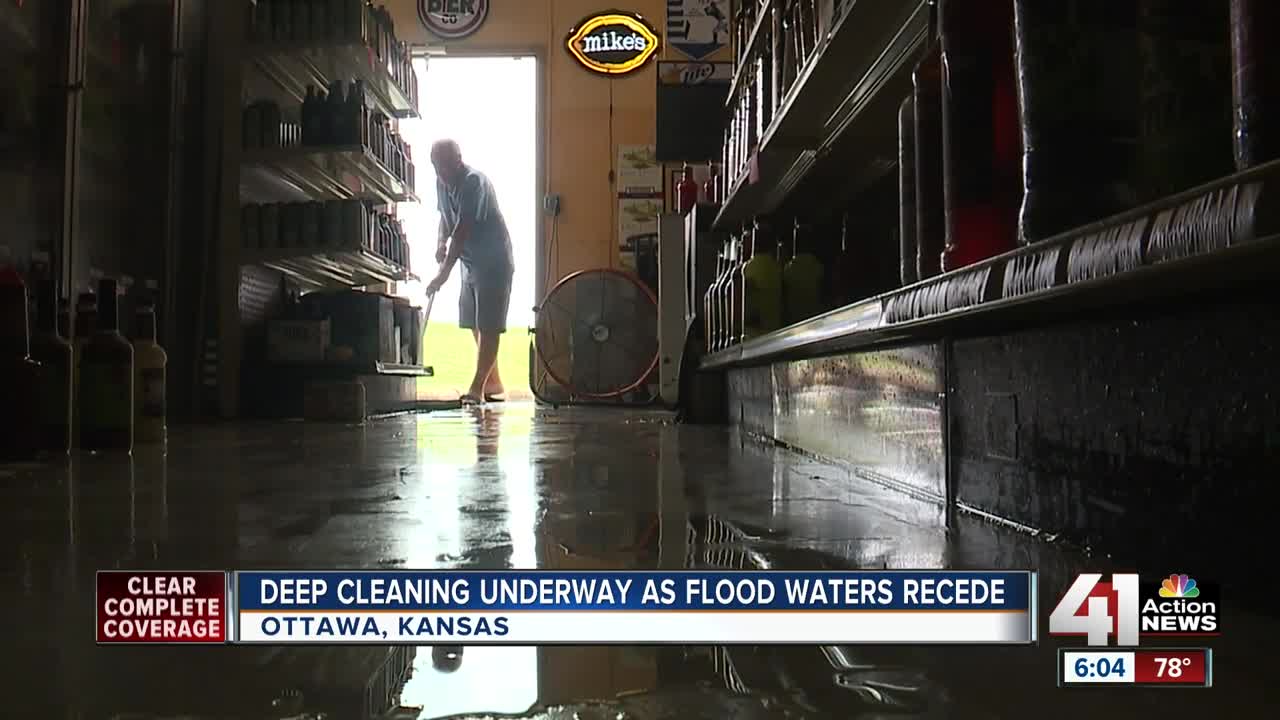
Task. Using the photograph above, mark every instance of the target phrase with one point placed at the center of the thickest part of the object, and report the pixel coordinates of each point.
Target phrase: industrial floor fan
(596, 340)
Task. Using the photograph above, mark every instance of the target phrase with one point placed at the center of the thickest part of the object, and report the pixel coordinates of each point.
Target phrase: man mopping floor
(473, 230)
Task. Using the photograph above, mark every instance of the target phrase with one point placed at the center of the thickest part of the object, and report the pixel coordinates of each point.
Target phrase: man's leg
(493, 297)
(494, 385)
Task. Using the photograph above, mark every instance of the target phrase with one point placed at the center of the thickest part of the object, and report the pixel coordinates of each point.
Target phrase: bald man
(473, 231)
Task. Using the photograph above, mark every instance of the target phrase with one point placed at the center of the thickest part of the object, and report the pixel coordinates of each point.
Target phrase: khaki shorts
(486, 297)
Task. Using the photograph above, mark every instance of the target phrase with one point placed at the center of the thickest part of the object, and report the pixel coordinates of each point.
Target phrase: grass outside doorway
(451, 350)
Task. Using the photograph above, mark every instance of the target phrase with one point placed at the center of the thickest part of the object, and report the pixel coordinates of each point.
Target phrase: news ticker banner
(1162, 667)
(519, 607)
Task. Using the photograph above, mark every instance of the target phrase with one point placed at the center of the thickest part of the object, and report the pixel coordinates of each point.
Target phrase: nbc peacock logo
(1179, 586)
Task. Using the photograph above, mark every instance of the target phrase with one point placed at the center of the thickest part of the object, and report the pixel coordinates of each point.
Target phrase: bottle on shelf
(1077, 63)
(907, 248)
(332, 116)
(301, 22)
(331, 224)
(86, 324)
(722, 298)
(710, 186)
(842, 286)
(1185, 96)
(1255, 82)
(52, 350)
(282, 21)
(106, 379)
(312, 111)
(931, 218)
(320, 20)
(356, 116)
(686, 191)
(802, 279)
(982, 185)
(20, 429)
(150, 361)
(761, 285)
(737, 287)
(708, 303)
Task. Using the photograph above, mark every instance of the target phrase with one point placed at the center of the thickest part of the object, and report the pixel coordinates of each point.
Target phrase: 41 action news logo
(1127, 608)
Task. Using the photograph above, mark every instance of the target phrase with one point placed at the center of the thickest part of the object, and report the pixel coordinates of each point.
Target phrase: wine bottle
(106, 380)
(53, 351)
(931, 218)
(907, 241)
(151, 362)
(1256, 81)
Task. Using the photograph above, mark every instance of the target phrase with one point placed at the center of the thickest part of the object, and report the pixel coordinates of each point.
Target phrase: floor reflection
(512, 486)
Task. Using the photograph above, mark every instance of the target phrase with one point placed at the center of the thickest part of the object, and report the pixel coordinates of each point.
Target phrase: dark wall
(1154, 438)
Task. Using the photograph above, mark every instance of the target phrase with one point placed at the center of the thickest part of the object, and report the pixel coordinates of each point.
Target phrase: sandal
(469, 399)
(495, 398)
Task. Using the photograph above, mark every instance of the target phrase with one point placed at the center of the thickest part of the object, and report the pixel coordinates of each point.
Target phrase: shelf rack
(830, 125)
(1219, 235)
(312, 173)
(293, 66)
(318, 268)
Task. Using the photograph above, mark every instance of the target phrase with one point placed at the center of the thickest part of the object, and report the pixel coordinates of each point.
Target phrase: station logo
(1127, 609)
(613, 43)
(452, 19)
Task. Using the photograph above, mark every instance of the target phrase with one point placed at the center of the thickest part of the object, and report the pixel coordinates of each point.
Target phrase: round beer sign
(452, 19)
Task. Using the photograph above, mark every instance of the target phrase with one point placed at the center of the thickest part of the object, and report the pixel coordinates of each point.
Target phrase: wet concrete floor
(519, 486)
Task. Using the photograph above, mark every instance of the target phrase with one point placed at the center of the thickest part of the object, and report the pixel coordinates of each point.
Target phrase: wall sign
(698, 28)
(613, 43)
(452, 19)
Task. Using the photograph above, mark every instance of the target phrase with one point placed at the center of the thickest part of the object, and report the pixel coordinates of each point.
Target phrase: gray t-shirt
(488, 248)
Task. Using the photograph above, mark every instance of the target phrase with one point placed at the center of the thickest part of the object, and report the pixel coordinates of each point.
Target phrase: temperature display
(1172, 667)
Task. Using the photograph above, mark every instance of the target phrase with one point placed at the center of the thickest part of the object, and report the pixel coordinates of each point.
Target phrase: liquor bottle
(802, 279)
(723, 298)
(356, 123)
(86, 324)
(51, 349)
(301, 24)
(1077, 64)
(310, 116)
(931, 219)
(150, 362)
(106, 380)
(908, 250)
(710, 188)
(20, 376)
(708, 301)
(1255, 82)
(686, 191)
(843, 286)
(1185, 116)
(761, 285)
(282, 21)
(982, 185)
(737, 286)
(319, 21)
(332, 115)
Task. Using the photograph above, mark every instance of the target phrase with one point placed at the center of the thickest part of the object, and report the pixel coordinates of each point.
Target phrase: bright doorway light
(489, 106)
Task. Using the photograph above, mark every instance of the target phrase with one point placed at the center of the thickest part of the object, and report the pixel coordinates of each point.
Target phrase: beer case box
(362, 321)
(335, 401)
(298, 341)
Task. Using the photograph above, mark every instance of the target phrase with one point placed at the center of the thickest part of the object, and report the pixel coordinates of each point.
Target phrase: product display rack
(251, 66)
(844, 98)
(833, 132)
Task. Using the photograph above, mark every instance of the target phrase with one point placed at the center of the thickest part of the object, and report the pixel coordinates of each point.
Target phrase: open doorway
(489, 105)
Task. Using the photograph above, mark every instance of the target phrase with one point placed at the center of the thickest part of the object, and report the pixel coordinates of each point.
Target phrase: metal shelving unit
(844, 98)
(318, 268)
(319, 173)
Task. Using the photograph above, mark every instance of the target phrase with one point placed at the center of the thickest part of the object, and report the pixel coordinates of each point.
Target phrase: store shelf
(844, 102)
(302, 173)
(294, 66)
(1220, 236)
(327, 268)
(332, 369)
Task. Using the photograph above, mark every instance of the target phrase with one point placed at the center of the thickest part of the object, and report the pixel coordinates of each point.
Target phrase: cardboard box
(361, 321)
(298, 341)
(335, 402)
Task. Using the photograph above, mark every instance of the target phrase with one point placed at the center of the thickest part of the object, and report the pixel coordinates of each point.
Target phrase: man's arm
(473, 205)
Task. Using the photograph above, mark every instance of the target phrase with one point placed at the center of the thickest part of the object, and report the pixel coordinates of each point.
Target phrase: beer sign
(452, 19)
(613, 43)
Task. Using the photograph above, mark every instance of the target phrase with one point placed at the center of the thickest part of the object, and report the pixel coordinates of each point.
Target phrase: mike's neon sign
(613, 43)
